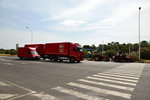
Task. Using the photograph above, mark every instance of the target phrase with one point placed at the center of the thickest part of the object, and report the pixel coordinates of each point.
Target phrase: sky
(85, 22)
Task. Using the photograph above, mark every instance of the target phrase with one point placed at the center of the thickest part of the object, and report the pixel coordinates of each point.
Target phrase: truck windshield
(79, 49)
(34, 53)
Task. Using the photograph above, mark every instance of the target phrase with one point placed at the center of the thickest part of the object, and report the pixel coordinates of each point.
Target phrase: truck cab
(28, 53)
(76, 53)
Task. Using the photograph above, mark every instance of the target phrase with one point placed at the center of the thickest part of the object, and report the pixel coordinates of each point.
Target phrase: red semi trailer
(28, 53)
(59, 51)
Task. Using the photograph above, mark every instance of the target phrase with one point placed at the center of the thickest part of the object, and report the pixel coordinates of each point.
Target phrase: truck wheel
(60, 60)
(78, 61)
(37, 59)
(21, 58)
(96, 58)
(44, 58)
(72, 60)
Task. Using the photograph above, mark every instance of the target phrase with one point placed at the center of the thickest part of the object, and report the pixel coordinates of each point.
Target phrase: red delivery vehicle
(28, 53)
(60, 51)
(40, 48)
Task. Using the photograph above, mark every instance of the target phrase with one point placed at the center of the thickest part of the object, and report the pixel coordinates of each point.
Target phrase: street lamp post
(139, 35)
(31, 34)
(102, 47)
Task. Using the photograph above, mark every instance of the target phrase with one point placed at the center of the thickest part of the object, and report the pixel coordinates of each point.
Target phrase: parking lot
(88, 80)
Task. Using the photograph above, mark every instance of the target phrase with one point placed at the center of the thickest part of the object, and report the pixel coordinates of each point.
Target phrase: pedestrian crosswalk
(119, 82)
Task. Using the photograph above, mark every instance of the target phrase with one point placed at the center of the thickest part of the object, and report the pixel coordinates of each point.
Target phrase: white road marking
(44, 96)
(77, 94)
(123, 74)
(32, 93)
(113, 81)
(108, 77)
(21, 87)
(127, 70)
(99, 90)
(7, 96)
(23, 63)
(5, 60)
(119, 76)
(19, 96)
(132, 69)
(108, 85)
(4, 84)
(8, 64)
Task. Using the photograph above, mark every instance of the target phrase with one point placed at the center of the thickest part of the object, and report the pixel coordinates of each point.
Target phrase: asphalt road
(88, 80)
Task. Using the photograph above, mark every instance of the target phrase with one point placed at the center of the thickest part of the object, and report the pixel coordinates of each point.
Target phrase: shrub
(134, 56)
(13, 52)
(145, 54)
(110, 53)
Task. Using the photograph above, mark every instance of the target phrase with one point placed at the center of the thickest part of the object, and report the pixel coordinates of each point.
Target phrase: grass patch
(6, 55)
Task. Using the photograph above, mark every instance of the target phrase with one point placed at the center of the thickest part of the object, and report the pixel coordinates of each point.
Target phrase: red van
(28, 53)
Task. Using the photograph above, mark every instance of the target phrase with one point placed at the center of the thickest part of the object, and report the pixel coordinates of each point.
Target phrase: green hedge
(110, 53)
(145, 54)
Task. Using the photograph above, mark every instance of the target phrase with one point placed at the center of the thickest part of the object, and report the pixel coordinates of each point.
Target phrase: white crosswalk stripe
(121, 76)
(112, 81)
(108, 77)
(108, 85)
(124, 72)
(99, 90)
(77, 94)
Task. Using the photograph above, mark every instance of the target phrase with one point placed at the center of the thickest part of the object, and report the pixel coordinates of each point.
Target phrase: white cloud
(79, 12)
(70, 22)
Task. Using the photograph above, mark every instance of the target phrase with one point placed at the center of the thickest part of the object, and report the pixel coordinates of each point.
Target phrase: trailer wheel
(72, 60)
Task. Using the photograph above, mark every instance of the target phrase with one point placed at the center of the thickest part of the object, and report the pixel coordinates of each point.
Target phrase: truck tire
(44, 58)
(37, 59)
(72, 60)
(78, 61)
(96, 58)
(21, 58)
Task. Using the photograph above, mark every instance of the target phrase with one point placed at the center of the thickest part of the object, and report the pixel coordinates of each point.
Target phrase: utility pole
(129, 49)
(139, 35)
(102, 47)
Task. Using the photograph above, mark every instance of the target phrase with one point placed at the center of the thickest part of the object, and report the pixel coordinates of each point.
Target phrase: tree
(110, 53)
(93, 47)
(144, 44)
(135, 47)
(87, 46)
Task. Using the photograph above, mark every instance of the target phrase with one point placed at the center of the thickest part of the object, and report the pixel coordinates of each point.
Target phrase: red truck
(28, 53)
(59, 51)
